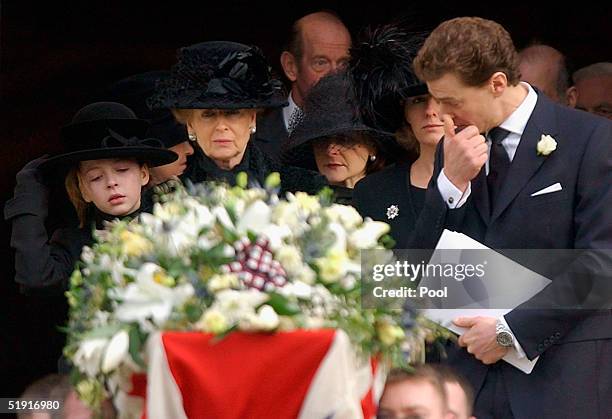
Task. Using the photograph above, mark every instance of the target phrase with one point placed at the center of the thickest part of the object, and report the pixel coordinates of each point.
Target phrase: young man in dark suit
(540, 177)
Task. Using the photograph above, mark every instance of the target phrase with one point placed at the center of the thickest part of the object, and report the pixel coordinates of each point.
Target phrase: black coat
(258, 166)
(573, 376)
(43, 266)
(411, 229)
(271, 132)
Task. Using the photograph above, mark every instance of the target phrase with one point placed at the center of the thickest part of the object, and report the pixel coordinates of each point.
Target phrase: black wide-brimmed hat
(134, 91)
(383, 76)
(219, 75)
(330, 109)
(106, 130)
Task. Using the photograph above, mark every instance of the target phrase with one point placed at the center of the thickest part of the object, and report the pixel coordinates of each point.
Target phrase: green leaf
(273, 180)
(193, 312)
(106, 331)
(136, 343)
(282, 305)
(242, 179)
(387, 241)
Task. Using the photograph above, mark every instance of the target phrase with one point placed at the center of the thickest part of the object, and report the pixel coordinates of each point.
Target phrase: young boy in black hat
(105, 170)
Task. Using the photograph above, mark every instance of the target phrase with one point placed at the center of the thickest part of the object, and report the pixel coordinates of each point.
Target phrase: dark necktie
(499, 163)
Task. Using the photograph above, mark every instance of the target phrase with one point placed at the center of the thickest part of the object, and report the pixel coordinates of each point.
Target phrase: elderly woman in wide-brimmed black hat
(330, 137)
(215, 90)
(105, 169)
(133, 92)
(393, 99)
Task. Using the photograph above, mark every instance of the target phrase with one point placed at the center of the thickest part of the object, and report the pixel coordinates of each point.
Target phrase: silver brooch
(392, 212)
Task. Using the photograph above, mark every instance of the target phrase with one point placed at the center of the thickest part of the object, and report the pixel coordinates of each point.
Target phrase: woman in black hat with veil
(215, 90)
(330, 137)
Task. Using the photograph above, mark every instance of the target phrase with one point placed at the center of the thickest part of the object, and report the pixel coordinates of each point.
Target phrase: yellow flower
(135, 244)
(333, 266)
(91, 393)
(205, 272)
(162, 278)
(76, 278)
(389, 333)
(289, 256)
(242, 180)
(72, 300)
(221, 282)
(308, 203)
(213, 321)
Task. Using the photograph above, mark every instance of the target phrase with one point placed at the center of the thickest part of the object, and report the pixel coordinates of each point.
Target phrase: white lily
(89, 355)
(146, 298)
(238, 304)
(116, 351)
(255, 218)
(223, 217)
(297, 289)
(368, 234)
(345, 215)
(340, 233)
(265, 319)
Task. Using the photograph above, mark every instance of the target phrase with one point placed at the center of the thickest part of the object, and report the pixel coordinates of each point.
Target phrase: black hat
(383, 77)
(104, 130)
(219, 75)
(134, 91)
(329, 109)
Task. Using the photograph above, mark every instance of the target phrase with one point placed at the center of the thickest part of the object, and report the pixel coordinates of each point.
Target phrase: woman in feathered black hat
(216, 89)
(105, 169)
(330, 137)
(392, 99)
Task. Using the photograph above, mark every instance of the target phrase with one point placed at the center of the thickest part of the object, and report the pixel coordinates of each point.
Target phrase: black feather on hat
(383, 77)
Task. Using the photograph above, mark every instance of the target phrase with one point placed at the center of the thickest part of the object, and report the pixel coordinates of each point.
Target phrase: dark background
(55, 59)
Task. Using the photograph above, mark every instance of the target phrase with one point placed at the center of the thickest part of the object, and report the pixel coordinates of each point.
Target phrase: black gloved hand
(30, 173)
(31, 193)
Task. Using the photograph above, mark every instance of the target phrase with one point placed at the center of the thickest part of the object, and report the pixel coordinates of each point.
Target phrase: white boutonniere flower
(546, 145)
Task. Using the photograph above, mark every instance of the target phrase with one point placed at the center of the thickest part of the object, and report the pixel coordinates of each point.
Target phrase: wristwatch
(503, 336)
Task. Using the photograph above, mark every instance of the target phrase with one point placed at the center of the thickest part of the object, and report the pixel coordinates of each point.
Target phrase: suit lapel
(526, 162)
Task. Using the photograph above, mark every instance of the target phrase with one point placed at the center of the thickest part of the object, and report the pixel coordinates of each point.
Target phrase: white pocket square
(549, 189)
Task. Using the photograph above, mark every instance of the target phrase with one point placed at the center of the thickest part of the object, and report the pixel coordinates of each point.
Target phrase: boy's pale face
(113, 185)
(412, 399)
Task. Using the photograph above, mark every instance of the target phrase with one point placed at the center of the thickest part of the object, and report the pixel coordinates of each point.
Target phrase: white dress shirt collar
(517, 121)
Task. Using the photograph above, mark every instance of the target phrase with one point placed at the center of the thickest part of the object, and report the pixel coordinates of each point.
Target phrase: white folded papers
(508, 284)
